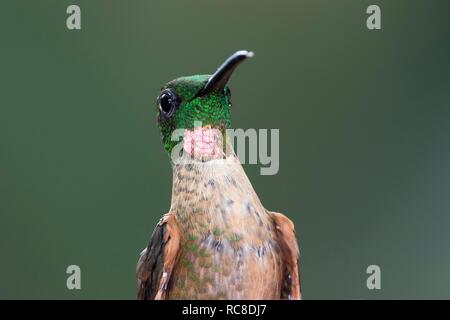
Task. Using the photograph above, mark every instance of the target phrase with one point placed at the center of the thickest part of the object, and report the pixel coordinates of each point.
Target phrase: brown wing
(156, 263)
(289, 250)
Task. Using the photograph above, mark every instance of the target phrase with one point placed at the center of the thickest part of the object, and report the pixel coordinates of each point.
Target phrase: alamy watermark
(373, 22)
(73, 21)
(374, 280)
(253, 146)
(73, 281)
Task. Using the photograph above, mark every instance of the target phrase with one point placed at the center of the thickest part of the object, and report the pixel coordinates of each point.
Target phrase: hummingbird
(217, 241)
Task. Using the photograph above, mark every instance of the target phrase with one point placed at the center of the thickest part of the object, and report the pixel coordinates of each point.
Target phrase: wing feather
(289, 249)
(157, 261)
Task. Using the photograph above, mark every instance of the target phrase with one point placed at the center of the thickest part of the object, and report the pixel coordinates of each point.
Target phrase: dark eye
(168, 103)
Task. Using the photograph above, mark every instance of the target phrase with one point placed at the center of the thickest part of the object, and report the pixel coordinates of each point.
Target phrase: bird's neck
(213, 196)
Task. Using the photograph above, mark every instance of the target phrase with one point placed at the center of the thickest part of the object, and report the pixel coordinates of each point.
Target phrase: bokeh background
(364, 136)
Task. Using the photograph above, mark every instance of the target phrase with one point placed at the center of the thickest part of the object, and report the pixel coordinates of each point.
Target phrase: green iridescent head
(205, 99)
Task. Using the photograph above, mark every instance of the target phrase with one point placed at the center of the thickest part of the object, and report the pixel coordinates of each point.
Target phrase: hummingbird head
(199, 107)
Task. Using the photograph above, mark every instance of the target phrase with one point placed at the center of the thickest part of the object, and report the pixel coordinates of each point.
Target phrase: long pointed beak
(220, 78)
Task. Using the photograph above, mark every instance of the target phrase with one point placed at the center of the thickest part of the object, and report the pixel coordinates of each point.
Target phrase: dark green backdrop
(364, 129)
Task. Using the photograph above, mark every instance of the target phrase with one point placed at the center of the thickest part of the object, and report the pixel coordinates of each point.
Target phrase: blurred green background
(364, 136)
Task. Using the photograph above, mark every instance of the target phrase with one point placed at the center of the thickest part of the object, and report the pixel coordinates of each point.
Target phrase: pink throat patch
(203, 141)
